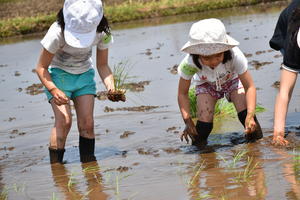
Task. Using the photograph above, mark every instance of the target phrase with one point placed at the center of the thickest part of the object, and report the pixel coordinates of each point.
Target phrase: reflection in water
(214, 178)
(68, 185)
(291, 172)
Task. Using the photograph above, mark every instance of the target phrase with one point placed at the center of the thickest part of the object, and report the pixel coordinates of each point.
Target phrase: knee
(205, 116)
(86, 126)
(64, 124)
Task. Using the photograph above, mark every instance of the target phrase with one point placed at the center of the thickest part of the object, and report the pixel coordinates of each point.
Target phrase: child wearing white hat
(219, 69)
(286, 38)
(65, 69)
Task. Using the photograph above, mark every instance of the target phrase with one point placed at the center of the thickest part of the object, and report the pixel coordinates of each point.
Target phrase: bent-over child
(286, 39)
(219, 69)
(65, 69)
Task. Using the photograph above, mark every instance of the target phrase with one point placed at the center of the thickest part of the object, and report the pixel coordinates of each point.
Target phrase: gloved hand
(190, 130)
(116, 96)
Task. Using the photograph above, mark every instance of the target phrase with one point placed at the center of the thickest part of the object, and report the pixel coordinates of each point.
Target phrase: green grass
(127, 11)
(7, 1)
(223, 108)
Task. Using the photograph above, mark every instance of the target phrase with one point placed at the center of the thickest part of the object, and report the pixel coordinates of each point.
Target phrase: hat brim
(79, 40)
(207, 49)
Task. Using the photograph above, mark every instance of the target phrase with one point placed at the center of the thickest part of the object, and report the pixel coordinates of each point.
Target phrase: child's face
(213, 60)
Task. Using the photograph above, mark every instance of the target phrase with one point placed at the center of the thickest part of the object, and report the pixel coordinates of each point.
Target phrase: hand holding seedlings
(116, 95)
(189, 131)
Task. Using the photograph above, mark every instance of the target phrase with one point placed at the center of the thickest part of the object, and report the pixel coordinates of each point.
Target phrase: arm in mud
(287, 83)
(250, 91)
(184, 106)
(43, 74)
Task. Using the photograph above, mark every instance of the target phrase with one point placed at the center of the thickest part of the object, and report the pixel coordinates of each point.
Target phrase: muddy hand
(116, 96)
(250, 125)
(189, 131)
(279, 140)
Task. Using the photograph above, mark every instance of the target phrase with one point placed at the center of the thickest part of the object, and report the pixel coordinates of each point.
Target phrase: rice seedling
(247, 173)
(121, 75)
(296, 164)
(53, 197)
(223, 108)
(113, 179)
(4, 194)
(18, 188)
(197, 170)
(204, 196)
(236, 158)
(71, 181)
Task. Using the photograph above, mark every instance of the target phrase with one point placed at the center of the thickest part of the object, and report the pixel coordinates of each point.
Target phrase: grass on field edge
(126, 11)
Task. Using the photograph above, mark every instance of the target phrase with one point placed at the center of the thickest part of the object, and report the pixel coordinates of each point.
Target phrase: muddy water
(138, 149)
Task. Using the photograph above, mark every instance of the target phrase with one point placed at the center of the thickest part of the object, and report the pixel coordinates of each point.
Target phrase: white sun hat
(81, 19)
(208, 37)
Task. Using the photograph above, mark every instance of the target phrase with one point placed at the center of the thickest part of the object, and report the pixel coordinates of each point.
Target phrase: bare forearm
(45, 78)
(251, 100)
(184, 105)
(280, 112)
(106, 77)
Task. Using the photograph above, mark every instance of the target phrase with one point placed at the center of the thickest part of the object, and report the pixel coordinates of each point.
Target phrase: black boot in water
(87, 149)
(257, 134)
(56, 155)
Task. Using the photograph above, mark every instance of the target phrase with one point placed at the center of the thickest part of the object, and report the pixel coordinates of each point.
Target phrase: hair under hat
(208, 37)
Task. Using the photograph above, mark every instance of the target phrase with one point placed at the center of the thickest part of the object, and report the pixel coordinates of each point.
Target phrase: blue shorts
(73, 85)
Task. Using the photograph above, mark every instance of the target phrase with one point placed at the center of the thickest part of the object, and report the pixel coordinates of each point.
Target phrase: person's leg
(238, 98)
(84, 106)
(205, 113)
(62, 125)
(287, 83)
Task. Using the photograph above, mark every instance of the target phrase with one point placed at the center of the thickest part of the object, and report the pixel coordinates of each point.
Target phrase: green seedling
(204, 196)
(4, 194)
(54, 196)
(296, 164)
(223, 108)
(197, 170)
(121, 75)
(71, 181)
(245, 175)
(236, 158)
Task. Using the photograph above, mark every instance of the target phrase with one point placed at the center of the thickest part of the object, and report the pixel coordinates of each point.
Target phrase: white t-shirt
(68, 58)
(218, 76)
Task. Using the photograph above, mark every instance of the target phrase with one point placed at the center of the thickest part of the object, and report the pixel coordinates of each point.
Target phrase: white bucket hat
(208, 37)
(81, 19)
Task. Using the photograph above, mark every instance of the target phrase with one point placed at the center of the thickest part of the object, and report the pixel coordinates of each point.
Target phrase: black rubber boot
(257, 134)
(87, 149)
(203, 130)
(56, 155)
